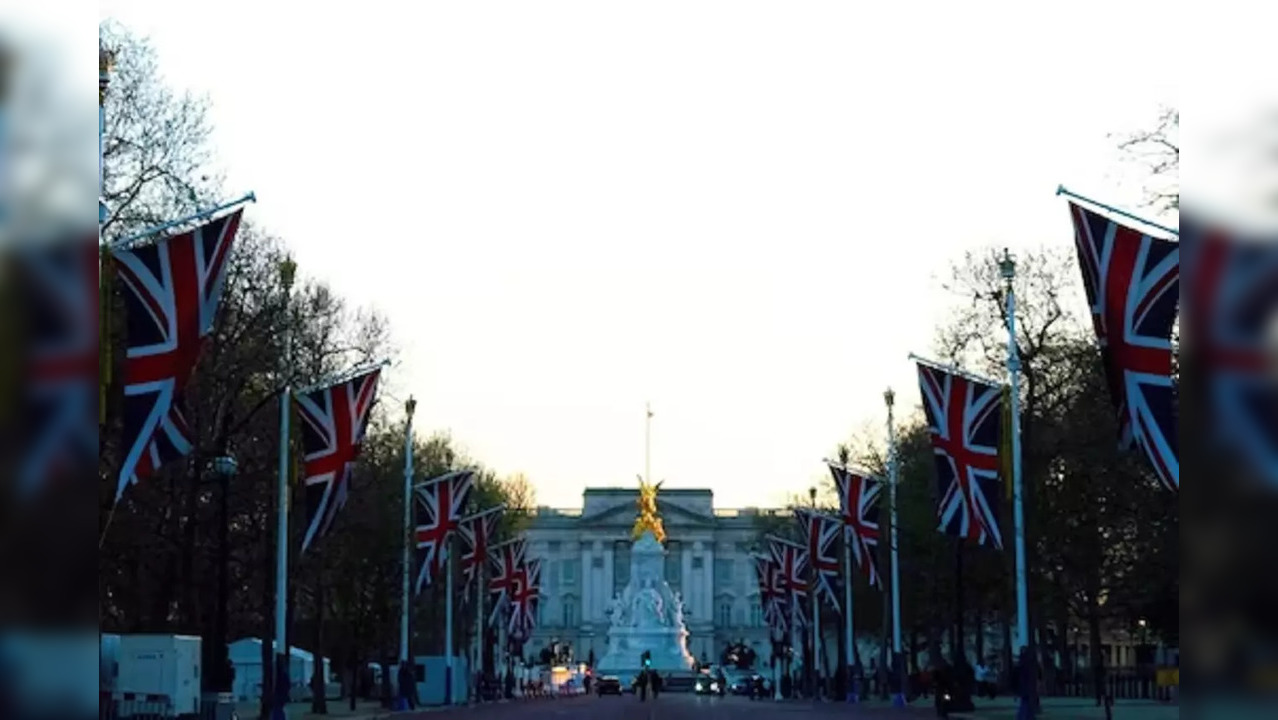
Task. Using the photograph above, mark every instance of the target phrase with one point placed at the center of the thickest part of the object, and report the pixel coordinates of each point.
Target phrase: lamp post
(223, 468)
(1144, 639)
(898, 698)
(811, 663)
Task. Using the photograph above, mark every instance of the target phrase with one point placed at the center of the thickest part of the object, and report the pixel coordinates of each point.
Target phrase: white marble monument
(647, 617)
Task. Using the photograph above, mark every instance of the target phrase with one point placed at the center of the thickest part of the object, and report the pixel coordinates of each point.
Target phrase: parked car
(608, 685)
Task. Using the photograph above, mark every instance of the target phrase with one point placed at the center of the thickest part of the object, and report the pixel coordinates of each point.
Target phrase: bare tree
(1158, 151)
(157, 155)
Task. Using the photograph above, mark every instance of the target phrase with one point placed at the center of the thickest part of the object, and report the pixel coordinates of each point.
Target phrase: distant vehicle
(608, 685)
(709, 684)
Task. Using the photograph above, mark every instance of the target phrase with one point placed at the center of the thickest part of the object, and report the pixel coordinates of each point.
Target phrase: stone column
(586, 579)
(602, 585)
(609, 570)
(708, 582)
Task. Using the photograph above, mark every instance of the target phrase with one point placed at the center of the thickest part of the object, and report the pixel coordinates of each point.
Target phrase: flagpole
(405, 599)
(479, 624)
(202, 215)
(1008, 268)
(959, 372)
(647, 445)
(1060, 190)
(794, 638)
(106, 60)
(816, 635)
(287, 271)
(898, 699)
(849, 637)
(448, 625)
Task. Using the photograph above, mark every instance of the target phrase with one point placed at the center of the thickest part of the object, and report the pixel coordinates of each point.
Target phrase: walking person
(943, 679)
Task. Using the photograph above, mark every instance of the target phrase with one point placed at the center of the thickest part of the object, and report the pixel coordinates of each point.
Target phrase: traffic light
(647, 658)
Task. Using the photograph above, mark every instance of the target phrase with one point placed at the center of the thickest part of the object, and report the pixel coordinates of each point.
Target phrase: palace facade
(585, 556)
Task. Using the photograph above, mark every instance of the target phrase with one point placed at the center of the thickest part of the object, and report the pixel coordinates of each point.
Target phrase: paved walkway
(1074, 709)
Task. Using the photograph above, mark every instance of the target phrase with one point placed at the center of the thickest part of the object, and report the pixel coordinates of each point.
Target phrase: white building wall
(590, 538)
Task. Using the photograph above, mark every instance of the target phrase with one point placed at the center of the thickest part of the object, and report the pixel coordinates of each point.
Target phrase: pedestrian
(943, 679)
(1028, 679)
(408, 685)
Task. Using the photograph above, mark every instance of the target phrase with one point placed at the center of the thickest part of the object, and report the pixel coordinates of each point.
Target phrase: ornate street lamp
(221, 674)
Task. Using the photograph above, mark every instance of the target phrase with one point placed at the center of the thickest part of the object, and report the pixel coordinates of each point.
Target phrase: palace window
(725, 614)
(568, 572)
(620, 565)
(723, 572)
(674, 563)
(570, 612)
(756, 615)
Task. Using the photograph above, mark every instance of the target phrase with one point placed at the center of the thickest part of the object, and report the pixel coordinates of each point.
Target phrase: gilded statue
(648, 519)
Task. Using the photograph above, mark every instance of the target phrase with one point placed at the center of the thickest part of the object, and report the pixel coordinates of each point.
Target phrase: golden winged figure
(648, 519)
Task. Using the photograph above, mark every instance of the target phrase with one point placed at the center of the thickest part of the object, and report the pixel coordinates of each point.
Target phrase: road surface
(669, 707)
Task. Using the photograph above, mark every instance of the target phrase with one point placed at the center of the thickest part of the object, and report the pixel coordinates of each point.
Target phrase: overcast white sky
(736, 210)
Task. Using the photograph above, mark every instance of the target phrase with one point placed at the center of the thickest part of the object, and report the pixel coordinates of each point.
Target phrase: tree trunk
(959, 648)
(269, 631)
(1094, 640)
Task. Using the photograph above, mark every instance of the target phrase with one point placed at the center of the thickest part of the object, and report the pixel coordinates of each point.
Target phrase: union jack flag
(59, 299)
(1133, 287)
(505, 562)
(173, 288)
(964, 417)
(792, 569)
(859, 504)
(442, 502)
(334, 420)
(525, 595)
(1231, 297)
(771, 592)
(822, 533)
(477, 531)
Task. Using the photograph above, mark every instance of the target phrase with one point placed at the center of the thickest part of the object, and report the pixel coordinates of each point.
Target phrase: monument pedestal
(647, 617)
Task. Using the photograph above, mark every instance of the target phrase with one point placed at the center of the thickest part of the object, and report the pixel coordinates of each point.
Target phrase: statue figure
(651, 613)
(648, 519)
(617, 610)
(677, 609)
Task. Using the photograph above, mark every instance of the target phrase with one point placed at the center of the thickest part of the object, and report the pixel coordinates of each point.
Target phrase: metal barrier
(161, 708)
(1134, 685)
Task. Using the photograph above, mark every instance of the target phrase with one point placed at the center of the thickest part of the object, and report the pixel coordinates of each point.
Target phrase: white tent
(246, 657)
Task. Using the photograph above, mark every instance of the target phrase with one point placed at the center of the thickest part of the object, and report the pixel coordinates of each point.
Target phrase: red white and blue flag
(1231, 301)
(172, 289)
(524, 598)
(477, 532)
(964, 416)
(440, 507)
(1133, 287)
(859, 506)
(59, 286)
(792, 569)
(505, 563)
(771, 592)
(821, 535)
(333, 422)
